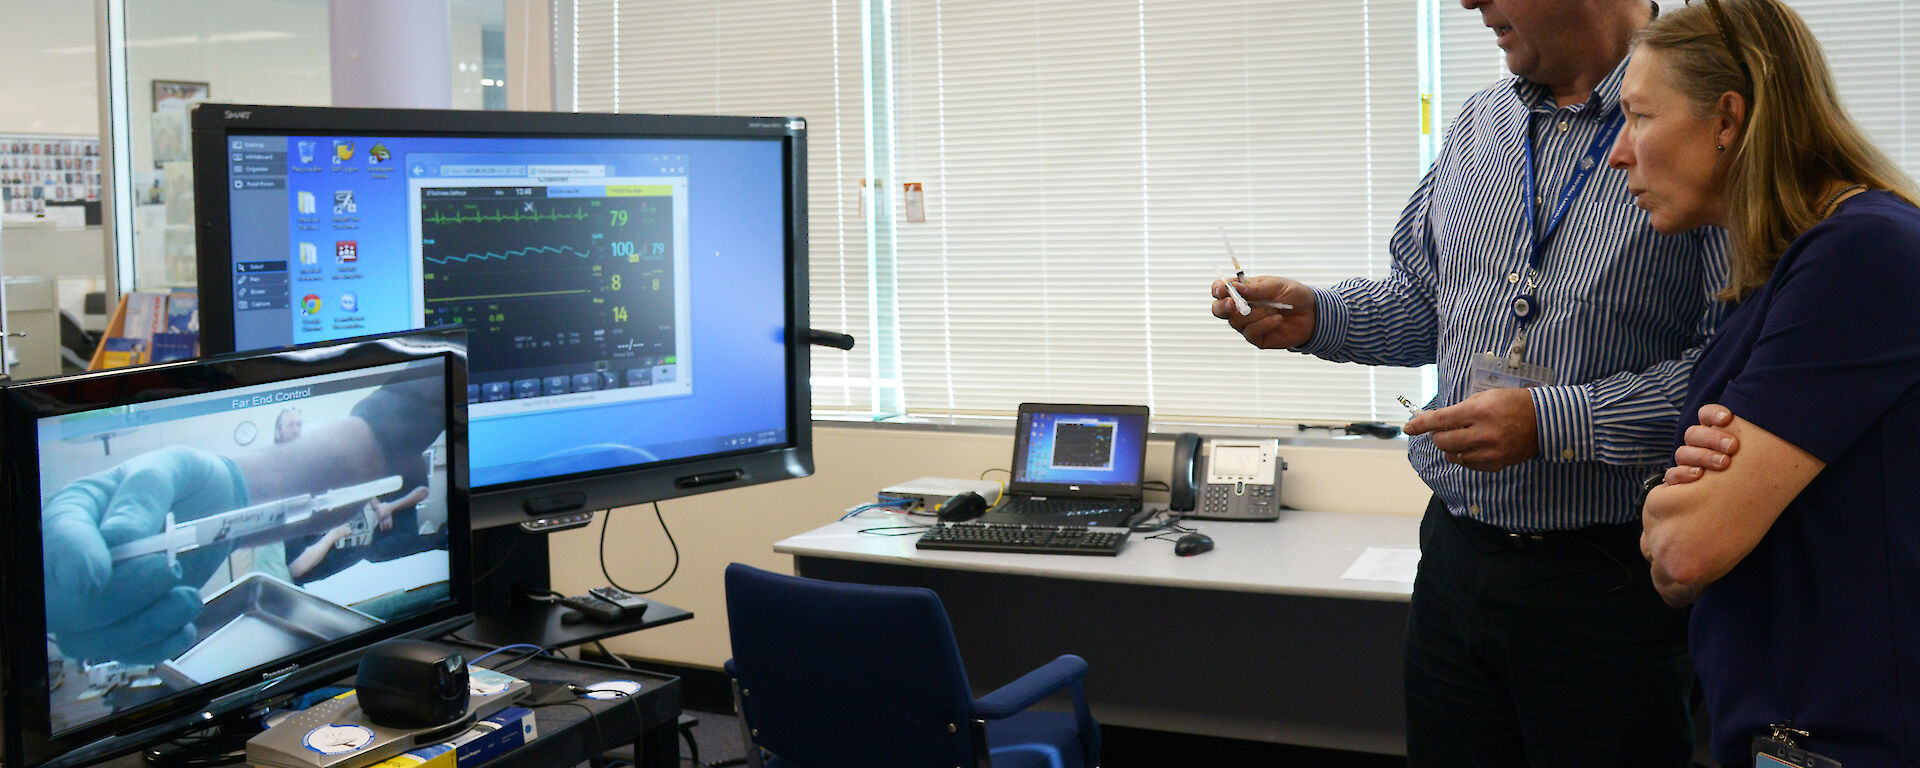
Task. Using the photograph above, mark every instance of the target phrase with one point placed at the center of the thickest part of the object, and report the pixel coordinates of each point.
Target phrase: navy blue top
(1820, 624)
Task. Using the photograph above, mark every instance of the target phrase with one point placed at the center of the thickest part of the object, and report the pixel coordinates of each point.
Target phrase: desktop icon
(306, 202)
(309, 253)
(310, 304)
(378, 153)
(307, 150)
(349, 302)
(343, 202)
(342, 150)
(346, 251)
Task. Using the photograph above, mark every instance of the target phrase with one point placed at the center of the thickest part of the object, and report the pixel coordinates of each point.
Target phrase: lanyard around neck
(1525, 306)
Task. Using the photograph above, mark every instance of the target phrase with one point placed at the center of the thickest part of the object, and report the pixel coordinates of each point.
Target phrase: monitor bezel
(28, 738)
(527, 500)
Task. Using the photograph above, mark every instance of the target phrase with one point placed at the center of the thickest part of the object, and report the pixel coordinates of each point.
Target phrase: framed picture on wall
(177, 94)
(171, 98)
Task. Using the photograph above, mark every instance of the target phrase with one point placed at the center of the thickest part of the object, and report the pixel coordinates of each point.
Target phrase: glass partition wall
(162, 56)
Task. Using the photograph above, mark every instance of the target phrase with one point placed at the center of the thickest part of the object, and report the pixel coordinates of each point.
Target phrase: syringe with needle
(1239, 274)
(262, 523)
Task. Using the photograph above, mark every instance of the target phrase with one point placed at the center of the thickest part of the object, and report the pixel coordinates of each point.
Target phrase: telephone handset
(1225, 478)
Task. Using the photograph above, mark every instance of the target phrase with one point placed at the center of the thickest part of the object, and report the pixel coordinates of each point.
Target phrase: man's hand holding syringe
(1270, 312)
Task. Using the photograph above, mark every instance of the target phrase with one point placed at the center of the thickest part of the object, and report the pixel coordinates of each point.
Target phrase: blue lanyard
(1525, 306)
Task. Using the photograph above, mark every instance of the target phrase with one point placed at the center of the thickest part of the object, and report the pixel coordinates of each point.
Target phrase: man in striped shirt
(1563, 329)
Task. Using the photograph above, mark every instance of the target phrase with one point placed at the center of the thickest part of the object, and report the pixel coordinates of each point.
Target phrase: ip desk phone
(1225, 478)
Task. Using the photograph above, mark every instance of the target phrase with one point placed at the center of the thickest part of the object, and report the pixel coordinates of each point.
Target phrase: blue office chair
(831, 675)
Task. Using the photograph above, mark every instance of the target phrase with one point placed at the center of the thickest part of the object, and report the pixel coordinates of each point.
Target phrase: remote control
(631, 604)
(595, 608)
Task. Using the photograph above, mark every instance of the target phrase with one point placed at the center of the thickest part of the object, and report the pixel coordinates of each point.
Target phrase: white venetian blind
(761, 58)
(1079, 160)
(1469, 58)
(1873, 47)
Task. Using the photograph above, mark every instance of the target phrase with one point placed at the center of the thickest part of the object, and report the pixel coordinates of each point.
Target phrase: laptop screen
(1098, 449)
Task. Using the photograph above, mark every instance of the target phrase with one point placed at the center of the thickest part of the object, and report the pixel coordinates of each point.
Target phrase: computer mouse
(1192, 544)
(962, 507)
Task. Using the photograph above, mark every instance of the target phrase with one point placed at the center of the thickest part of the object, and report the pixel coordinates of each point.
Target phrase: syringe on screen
(262, 523)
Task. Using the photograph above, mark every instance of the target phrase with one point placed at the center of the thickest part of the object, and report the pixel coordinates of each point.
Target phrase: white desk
(1258, 639)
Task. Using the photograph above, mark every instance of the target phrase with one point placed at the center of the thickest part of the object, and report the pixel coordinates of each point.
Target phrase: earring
(1719, 147)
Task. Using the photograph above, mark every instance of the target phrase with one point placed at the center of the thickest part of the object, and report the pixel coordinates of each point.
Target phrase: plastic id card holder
(1491, 371)
(1769, 752)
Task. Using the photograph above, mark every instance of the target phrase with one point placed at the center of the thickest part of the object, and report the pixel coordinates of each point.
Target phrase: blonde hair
(1797, 141)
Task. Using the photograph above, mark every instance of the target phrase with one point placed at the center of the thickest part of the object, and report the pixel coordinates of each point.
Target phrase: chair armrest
(1032, 688)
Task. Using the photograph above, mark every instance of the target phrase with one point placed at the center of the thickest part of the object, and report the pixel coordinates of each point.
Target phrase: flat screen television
(190, 539)
(634, 286)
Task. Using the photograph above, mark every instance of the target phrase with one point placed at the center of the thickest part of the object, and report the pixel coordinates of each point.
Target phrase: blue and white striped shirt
(1625, 310)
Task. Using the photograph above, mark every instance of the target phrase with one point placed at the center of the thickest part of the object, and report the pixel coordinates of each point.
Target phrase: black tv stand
(511, 563)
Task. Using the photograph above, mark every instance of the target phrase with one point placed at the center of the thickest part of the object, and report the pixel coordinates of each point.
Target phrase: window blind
(762, 58)
(1080, 162)
(1870, 45)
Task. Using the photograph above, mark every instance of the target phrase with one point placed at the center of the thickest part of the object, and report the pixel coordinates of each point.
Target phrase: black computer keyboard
(1036, 539)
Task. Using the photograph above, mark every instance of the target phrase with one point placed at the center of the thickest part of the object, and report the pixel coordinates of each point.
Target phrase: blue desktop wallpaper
(1129, 434)
(736, 236)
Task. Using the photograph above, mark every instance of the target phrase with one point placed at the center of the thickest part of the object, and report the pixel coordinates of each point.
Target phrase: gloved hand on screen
(140, 610)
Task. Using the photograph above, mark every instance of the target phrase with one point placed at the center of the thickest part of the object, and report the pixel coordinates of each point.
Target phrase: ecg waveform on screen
(548, 288)
(505, 255)
(442, 218)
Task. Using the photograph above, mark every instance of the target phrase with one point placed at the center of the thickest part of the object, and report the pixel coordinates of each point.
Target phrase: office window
(753, 57)
(1869, 44)
(1080, 162)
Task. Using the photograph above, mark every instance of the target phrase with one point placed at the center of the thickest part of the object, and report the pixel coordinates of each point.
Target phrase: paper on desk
(367, 580)
(1384, 564)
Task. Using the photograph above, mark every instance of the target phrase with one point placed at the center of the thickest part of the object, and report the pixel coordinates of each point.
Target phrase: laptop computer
(1075, 465)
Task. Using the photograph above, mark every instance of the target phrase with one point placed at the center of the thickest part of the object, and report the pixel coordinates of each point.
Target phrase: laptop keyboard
(1030, 507)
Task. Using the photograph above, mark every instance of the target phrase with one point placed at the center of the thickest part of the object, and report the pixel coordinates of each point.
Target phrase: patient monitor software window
(520, 248)
(569, 269)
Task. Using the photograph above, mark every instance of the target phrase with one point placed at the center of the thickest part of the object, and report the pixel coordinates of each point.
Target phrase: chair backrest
(848, 675)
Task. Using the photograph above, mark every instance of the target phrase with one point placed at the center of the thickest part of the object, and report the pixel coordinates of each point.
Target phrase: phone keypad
(1215, 499)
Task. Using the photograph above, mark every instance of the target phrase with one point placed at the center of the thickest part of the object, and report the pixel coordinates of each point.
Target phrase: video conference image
(192, 538)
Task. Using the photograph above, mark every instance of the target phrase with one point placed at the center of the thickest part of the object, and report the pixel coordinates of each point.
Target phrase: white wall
(851, 463)
(248, 51)
(46, 54)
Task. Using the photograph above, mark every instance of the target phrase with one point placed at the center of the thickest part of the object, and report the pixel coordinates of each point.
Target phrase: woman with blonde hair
(1803, 554)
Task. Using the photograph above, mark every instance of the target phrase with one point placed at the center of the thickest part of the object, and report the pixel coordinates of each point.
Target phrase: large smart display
(633, 286)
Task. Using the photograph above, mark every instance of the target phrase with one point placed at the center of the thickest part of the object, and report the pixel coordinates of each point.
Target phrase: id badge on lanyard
(1780, 748)
(1492, 371)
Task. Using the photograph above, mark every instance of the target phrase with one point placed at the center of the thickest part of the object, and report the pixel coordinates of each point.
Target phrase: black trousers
(1545, 651)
